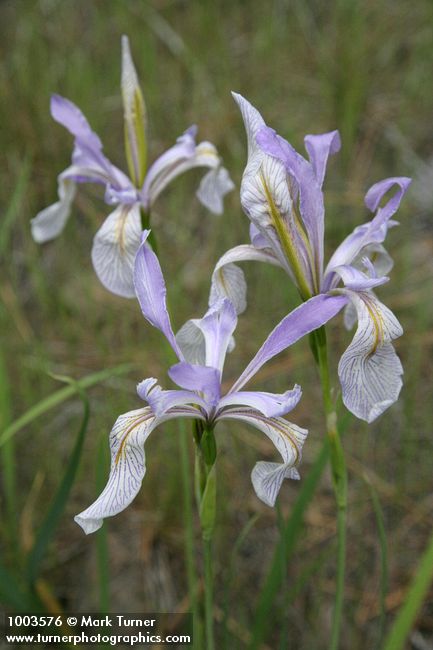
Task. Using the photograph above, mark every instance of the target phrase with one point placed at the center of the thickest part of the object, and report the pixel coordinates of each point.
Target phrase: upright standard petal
(218, 325)
(306, 193)
(134, 116)
(319, 148)
(49, 223)
(203, 379)
(301, 321)
(128, 468)
(191, 341)
(268, 201)
(370, 370)
(114, 249)
(151, 292)
(288, 438)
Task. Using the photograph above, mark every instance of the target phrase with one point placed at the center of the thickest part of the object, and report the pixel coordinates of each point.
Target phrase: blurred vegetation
(362, 67)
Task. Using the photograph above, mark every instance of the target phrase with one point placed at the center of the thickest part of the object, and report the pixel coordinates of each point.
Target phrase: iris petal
(370, 370)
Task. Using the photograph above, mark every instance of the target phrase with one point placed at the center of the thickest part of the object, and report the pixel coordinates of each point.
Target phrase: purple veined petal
(301, 321)
(128, 465)
(151, 291)
(126, 195)
(309, 189)
(69, 115)
(190, 340)
(319, 148)
(377, 191)
(269, 404)
(369, 370)
(155, 180)
(228, 279)
(183, 156)
(213, 187)
(287, 437)
(268, 477)
(373, 232)
(253, 121)
(356, 280)
(115, 246)
(92, 166)
(378, 256)
(217, 326)
(49, 223)
(128, 468)
(160, 401)
(205, 379)
(266, 200)
(257, 239)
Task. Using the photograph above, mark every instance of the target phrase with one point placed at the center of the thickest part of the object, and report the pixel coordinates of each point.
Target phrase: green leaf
(208, 506)
(48, 527)
(408, 612)
(60, 396)
(13, 596)
(383, 559)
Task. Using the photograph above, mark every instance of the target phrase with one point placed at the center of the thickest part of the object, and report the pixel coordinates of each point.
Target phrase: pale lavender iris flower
(281, 193)
(201, 346)
(116, 242)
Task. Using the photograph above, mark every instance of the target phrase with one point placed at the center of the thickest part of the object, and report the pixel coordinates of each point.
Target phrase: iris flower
(201, 346)
(117, 241)
(281, 193)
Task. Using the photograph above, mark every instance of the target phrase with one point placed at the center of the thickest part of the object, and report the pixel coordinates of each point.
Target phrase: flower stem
(339, 478)
(208, 594)
(206, 496)
(189, 528)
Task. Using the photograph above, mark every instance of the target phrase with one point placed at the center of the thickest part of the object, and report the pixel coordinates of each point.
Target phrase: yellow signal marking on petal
(286, 240)
(207, 152)
(279, 427)
(378, 325)
(120, 229)
(131, 428)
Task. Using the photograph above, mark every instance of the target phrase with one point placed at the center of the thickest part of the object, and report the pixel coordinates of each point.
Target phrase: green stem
(189, 524)
(206, 494)
(339, 478)
(208, 593)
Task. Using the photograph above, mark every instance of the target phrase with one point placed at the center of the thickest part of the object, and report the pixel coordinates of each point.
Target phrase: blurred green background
(362, 67)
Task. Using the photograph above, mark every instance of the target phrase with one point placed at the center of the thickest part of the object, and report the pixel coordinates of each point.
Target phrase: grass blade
(46, 531)
(383, 558)
(60, 396)
(230, 575)
(13, 596)
(407, 614)
(8, 460)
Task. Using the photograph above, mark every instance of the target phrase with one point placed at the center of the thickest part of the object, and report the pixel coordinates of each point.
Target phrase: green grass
(309, 67)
